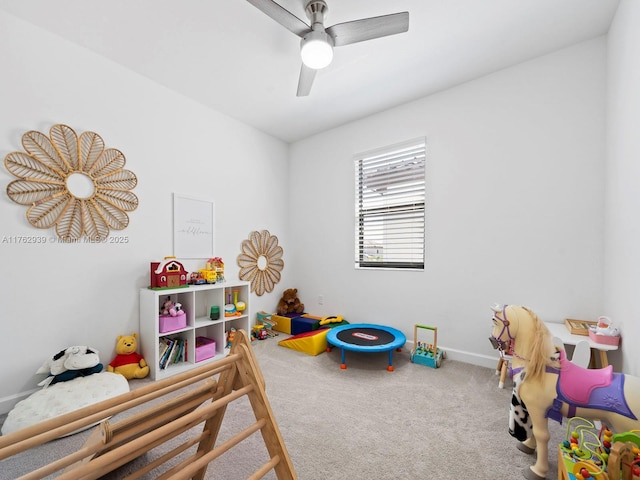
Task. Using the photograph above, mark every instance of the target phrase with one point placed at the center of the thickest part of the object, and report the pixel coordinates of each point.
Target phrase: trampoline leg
(343, 366)
(390, 367)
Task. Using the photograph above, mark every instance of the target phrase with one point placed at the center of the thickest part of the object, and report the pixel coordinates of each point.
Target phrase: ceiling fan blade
(306, 80)
(284, 17)
(369, 28)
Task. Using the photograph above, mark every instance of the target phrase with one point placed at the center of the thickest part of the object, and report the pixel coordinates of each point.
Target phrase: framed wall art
(193, 227)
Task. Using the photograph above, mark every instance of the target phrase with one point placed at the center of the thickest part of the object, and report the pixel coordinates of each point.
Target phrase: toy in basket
(424, 353)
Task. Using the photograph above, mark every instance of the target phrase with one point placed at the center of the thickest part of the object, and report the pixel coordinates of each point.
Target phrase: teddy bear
(290, 303)
(127, 361)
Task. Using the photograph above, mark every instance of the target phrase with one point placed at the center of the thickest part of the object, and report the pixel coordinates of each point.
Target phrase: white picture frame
(193, 227)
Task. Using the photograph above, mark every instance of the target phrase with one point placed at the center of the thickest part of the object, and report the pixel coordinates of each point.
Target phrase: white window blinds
(390, 207)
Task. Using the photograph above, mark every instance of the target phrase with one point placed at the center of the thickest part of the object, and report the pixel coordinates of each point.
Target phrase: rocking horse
(547, 385)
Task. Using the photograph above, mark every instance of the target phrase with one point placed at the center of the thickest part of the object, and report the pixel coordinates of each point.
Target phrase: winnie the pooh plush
(290, 303)
(127, 361)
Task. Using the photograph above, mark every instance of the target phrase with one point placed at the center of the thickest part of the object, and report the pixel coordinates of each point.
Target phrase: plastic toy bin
(170, 324)
(205, 348)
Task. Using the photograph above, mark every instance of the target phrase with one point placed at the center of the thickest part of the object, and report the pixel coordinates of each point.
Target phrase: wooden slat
(111, 445)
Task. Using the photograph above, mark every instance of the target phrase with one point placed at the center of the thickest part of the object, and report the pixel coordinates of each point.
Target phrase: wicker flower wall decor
(261, 261)
(49, 171)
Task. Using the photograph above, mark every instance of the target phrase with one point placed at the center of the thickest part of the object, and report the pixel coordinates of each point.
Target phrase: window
(390, 200)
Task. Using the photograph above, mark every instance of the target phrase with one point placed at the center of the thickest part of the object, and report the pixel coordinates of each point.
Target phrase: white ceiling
(228, 55)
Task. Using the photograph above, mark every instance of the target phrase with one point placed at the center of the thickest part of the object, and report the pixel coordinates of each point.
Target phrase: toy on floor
(367, 338)
(127, 361)
(425, 353)
(259, 332)
(551, 381)
(331, 319)
(70, 363)
(589, 452)
(290, 303)
(312, 343)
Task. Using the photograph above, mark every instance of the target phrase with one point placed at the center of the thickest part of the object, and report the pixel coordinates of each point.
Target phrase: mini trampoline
(367, 338)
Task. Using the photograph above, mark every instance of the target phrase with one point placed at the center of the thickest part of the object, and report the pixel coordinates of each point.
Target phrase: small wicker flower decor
(261, 261)
(73, 183)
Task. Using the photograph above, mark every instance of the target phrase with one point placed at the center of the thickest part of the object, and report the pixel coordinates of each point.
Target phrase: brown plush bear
(290, 303)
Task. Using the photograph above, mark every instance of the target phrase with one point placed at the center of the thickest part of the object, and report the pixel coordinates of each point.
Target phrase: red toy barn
(168, 274)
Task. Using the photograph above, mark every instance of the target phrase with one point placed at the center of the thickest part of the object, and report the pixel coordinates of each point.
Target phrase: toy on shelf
(230, 309)
(240, 305)
(170, 308)
(604, 332)
(217, 266)
(425, 353)
(171, 316)
(168, 274)
(231, 335)
(209, 273)
(196, 278)
(553, 383)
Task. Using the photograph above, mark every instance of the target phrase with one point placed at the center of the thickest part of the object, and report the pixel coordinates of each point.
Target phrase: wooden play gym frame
(112, 445)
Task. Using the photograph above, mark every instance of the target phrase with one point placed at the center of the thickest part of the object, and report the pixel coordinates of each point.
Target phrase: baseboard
(472, 358)
(487, 361)
(7, 403)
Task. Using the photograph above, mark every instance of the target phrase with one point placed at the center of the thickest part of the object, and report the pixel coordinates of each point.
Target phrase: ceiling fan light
(316, 50)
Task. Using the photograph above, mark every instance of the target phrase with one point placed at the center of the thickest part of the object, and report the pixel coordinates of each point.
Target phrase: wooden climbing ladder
(112, 445)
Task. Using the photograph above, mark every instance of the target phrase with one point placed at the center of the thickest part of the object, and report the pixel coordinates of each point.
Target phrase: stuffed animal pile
(290, 303)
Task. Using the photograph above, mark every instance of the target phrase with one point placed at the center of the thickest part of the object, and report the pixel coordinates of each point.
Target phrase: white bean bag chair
(64, 397)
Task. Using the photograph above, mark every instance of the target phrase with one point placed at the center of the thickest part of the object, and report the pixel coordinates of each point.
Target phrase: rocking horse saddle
(578, 383)
(588, 388)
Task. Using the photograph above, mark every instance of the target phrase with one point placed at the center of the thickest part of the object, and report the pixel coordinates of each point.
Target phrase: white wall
(515, 198)
(514, 204)
(622, 255)
(58, 295)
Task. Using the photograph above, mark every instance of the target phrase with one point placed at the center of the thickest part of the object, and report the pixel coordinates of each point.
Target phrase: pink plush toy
(170, 308)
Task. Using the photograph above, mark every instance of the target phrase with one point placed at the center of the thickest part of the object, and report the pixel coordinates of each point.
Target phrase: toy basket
(423, 353)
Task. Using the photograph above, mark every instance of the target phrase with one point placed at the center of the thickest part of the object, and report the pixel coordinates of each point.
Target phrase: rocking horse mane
(538, 354)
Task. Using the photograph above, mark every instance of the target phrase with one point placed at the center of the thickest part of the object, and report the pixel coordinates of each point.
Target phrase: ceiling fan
(316, 46)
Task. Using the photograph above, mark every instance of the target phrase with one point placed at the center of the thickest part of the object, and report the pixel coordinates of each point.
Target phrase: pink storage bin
(205, 348)
(170, 324)
(604, 339)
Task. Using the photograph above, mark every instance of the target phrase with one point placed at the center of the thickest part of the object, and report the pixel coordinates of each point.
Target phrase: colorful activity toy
(425, 353)
(598, 453)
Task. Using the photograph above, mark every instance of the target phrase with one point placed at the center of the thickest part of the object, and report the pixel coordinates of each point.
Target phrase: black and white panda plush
(70, 363)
